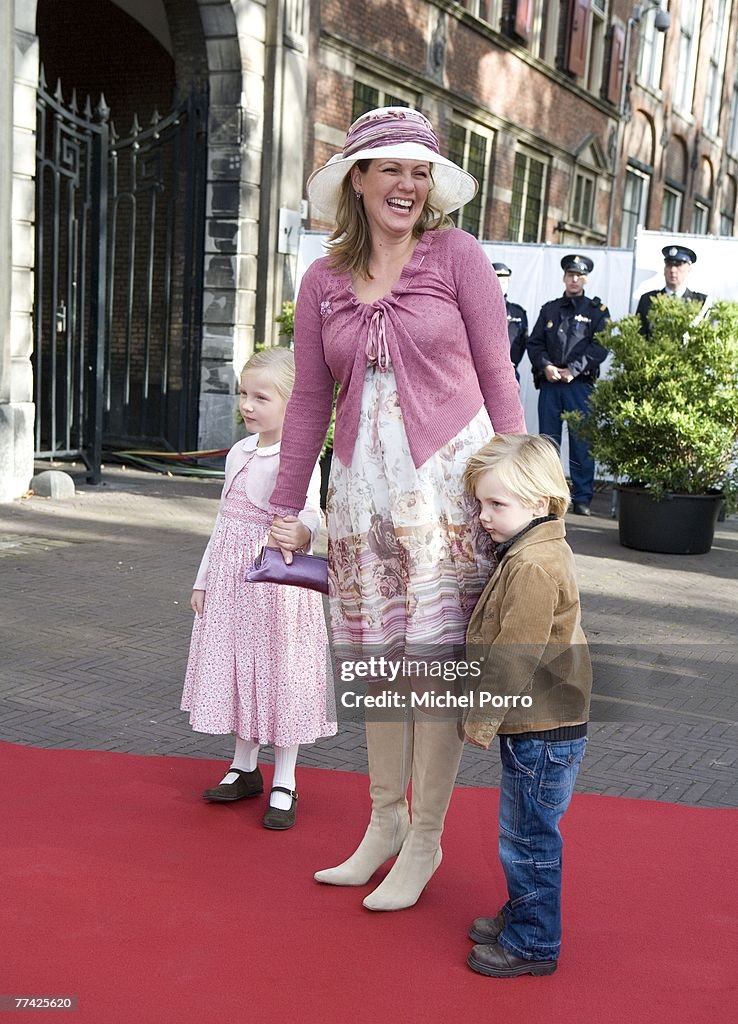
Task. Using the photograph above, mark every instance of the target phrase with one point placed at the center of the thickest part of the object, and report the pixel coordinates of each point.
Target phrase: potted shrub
(664, 422)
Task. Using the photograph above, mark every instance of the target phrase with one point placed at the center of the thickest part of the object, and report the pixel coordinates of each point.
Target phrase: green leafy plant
(286, 319)
(666, 415)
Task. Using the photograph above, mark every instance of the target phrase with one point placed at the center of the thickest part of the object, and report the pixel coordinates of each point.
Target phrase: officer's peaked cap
(502, 269)
(678, 254)
(577, 264)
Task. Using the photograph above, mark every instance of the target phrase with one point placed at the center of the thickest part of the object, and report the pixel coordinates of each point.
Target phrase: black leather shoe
(497, 962)
(247, 784)
(278, 819)
(579, 509)
(486, 929)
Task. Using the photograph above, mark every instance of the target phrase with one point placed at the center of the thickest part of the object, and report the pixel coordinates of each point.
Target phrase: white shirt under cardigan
(260, 482)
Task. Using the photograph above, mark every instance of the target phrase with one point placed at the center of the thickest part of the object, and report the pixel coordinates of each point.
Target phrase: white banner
(713, 273)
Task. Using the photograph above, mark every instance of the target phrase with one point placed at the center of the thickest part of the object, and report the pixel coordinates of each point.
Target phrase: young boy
(535, 691)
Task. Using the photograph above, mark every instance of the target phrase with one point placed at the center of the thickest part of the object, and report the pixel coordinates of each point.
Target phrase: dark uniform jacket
(563, 336)
(644, 305)
(517, 330)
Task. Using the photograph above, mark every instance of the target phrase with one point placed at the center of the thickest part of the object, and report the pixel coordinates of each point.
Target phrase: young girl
(257, 664)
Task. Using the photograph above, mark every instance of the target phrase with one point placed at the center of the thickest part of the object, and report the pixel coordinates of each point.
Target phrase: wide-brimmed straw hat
(397, 132)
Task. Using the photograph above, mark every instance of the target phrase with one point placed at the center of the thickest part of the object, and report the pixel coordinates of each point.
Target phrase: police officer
(566, 362)
(517, 318)
(678, 261)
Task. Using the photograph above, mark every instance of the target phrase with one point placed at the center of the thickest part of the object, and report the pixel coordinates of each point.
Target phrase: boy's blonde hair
(280, 362)
(527, 465)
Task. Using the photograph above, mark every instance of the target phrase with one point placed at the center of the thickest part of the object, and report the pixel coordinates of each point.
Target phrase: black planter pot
(676, 524)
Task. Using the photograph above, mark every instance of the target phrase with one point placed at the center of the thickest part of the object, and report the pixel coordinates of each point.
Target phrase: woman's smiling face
(394, 193)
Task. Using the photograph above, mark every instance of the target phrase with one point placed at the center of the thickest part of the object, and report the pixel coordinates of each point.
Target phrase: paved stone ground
(95, 622)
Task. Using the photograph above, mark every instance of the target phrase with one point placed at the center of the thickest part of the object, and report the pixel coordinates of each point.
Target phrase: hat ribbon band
(376, 137)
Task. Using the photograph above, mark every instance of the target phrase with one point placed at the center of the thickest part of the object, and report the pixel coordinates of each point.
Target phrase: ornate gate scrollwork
(119, 264)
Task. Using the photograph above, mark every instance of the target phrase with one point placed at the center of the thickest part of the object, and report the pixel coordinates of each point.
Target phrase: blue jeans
(537, 783)
(553, 399)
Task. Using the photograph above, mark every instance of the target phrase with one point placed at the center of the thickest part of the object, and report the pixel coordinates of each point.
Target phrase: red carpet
(123, 888)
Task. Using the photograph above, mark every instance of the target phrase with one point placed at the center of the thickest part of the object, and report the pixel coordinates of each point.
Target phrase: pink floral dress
(257, 664)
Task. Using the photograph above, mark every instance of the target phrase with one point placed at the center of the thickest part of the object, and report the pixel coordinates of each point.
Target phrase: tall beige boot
(390, 750)
(436, 755)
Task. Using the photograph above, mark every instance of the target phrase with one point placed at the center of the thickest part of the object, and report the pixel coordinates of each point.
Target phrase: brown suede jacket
(527, 627)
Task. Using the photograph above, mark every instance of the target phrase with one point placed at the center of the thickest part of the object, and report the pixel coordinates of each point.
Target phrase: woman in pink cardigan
(407, 316)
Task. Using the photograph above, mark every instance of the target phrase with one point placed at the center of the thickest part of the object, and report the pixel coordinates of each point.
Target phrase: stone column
(234, 39)
(282, 161)
(18, 79)
(257, 61)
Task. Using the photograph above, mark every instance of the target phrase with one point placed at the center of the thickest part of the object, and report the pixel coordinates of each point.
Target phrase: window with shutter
(690, 18)
(367, 96)
(596, 49)
(616, 71)
(700, 217)
(523, 19)
(583, 205)
(528, 194)
(733, 119)
(635, 204)
(470, 146)
(716, 70)
(577, 36)
(671, 209)
(727, 212)
(479, 8)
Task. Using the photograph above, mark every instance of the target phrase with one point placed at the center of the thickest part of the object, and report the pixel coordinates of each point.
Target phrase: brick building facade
(679, 165)
(532, 96)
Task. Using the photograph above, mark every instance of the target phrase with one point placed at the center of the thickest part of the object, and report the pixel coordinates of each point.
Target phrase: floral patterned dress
(407, 557)
(258, 656)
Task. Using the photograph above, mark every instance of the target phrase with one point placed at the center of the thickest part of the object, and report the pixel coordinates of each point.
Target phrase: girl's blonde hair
(351, 240)
(527, 465)
(280, 362)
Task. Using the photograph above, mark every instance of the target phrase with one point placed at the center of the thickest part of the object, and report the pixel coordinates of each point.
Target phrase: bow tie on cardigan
(377, 353)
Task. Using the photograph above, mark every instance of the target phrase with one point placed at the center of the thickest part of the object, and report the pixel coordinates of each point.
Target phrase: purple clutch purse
(308, 571)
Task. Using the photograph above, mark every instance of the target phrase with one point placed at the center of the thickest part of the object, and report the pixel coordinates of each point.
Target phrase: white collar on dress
(251, 443)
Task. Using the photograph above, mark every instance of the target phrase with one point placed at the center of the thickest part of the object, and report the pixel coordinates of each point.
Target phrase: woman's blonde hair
(528, 465)
(351, 240)
(280, 362)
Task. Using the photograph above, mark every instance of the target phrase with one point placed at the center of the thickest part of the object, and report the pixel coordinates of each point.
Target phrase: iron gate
(118, 290)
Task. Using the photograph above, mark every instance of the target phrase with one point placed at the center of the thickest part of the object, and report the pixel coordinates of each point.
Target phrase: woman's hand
(288, 534)
(197, 602)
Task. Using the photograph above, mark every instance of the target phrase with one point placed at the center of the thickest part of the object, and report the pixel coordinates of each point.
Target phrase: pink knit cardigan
(445, 329)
